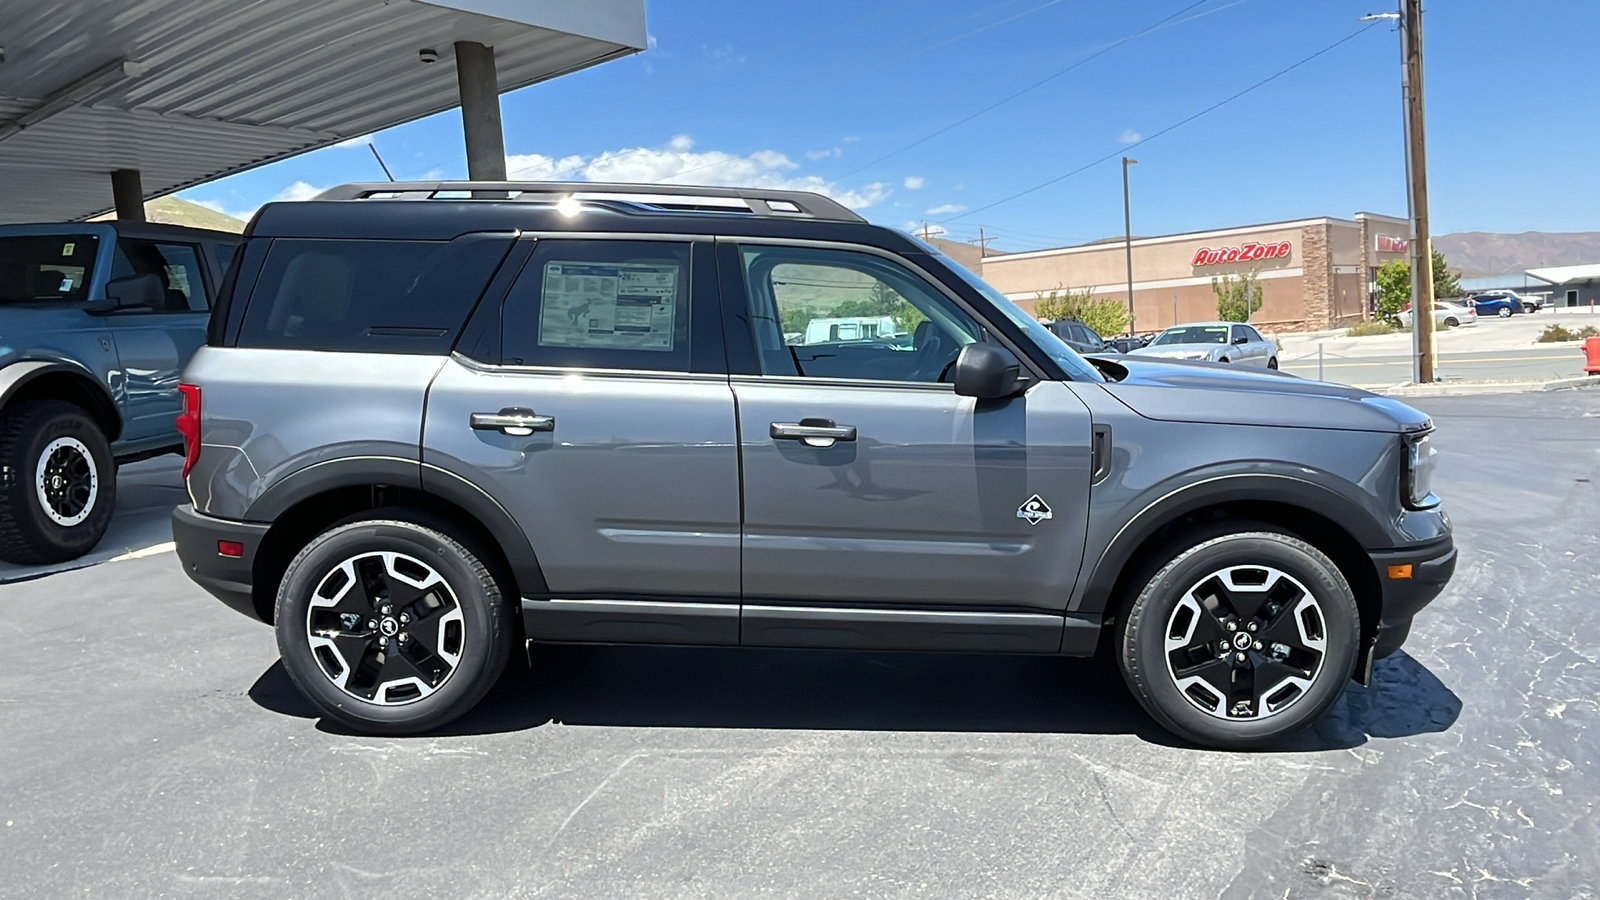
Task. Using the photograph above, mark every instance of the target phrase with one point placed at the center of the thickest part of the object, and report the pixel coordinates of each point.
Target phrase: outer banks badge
(1035, 510)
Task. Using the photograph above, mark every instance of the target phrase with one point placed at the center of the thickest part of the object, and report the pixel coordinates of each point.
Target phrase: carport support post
(127, 194)
(480, 111)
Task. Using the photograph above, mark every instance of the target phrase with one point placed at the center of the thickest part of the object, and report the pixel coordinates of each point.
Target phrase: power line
(1176, 125)
(1037, 84)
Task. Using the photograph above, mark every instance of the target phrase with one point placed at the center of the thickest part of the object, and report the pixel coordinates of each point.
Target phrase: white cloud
(538, 167)
(945, 209)
(360, 140)
(1129, 136)
(824, 154)
(851, 138)
(915, 182)
(300, 190)
(677, 163)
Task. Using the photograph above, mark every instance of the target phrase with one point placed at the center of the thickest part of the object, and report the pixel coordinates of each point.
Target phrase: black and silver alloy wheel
(66, 481)
(58, 482)
(393, 625)
(1245, 642)
(385, 628)
(1240, 635)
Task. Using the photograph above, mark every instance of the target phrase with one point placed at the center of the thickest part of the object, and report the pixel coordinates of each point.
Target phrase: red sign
(1387, 244)
(1207, 256)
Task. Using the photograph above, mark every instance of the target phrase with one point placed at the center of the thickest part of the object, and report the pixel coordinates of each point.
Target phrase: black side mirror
(1241, 339)
(988, 372)
(132, 292)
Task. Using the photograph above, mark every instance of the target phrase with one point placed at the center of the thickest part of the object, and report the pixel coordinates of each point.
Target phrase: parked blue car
(1496, 303)
(96, 321)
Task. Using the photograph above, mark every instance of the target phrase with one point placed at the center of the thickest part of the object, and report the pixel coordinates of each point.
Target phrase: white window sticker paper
(613, 306)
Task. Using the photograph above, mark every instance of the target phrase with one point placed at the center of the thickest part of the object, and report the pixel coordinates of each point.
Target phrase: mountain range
(1478, 253)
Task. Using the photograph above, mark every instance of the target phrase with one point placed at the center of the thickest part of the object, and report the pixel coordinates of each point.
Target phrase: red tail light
(189, 425)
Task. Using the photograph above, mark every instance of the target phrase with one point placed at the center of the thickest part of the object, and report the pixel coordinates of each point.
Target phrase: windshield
(1192, 334)
(39, 268)
(1077, 368)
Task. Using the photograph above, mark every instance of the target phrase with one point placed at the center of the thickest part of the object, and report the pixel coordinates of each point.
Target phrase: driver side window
(843, 314)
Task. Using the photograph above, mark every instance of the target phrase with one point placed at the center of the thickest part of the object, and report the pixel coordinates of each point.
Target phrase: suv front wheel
(58, 482)
(390, 626)
(1240, 639)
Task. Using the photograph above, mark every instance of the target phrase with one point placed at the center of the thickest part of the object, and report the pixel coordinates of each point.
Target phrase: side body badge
(1035, 510)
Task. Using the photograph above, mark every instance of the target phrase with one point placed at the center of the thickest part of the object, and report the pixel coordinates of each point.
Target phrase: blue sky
(829, 95)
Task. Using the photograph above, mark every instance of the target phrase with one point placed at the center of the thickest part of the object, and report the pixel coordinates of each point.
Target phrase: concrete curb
(1442, 389)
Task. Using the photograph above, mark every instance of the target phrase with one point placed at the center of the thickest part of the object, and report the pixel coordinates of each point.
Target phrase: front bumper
(1410, 579)
(228, 578)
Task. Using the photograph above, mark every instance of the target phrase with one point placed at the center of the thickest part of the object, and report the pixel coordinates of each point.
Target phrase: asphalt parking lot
(153, 746)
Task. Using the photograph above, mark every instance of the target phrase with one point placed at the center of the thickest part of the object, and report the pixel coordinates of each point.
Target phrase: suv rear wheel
(58, 482)
(1241, 638)
(391, 627)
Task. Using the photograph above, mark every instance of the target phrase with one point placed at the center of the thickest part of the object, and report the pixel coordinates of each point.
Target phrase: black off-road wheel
(1242, 637)
(392, 627)
(58, 482)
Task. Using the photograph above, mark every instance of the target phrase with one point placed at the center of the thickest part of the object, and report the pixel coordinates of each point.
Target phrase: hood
(1219, 394)
(1178, 351)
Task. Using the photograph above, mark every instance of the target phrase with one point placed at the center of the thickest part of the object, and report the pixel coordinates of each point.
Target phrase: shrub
(1107, 315)
(1238, 296)
(1366, 329)
(1555, 333)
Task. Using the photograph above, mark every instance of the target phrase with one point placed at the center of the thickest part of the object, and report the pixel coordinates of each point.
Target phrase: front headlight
(1420, 463)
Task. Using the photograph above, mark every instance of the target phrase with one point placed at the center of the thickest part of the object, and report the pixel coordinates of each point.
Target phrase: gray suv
(433, 420)
(96, 321)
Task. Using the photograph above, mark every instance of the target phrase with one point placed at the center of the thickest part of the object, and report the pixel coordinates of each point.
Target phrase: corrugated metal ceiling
(229, 84)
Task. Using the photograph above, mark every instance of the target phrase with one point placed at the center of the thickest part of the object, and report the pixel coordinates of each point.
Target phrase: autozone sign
(1208, 256)
(1387, 244)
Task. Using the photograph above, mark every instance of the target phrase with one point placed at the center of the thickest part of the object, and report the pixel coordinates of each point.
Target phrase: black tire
(481, 635)
(1272, 363)
(58, 482)
(1276, 710)
(1451, 323)
(1223, 360)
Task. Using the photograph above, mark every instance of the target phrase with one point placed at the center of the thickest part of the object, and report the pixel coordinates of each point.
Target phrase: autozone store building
(1314, 273)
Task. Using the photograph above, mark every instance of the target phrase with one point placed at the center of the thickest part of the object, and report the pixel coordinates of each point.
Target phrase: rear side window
(600, 305)
(369, 296)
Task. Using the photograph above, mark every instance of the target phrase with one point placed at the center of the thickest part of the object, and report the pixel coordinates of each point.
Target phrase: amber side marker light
(1400, 571)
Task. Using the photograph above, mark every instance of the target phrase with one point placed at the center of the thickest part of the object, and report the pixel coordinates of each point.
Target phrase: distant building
(1568, 285)
(1314, 273)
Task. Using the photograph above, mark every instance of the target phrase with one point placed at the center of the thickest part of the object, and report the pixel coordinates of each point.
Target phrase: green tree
(1445, 283)
(1106, 315)
(1394, 290)
(1238, 296)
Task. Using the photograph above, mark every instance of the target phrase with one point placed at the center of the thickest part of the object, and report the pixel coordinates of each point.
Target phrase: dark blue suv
(96, 321)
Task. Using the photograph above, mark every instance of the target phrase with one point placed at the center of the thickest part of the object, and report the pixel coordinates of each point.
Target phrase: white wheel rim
(49, 482)
(1259, 623)
(364, 644)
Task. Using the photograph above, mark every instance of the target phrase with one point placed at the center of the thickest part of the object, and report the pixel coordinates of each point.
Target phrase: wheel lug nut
(405, 618)
(1240, 657)
(405, 637)
(1252, 626)
(1232, 626)
(1258, 645)
(372, 623)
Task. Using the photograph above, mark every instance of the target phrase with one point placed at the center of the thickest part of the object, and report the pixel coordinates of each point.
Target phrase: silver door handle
(515, 421)
(812, 432)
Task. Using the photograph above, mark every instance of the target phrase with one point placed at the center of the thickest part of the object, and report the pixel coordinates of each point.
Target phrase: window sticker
(66, 249)
(613, 306)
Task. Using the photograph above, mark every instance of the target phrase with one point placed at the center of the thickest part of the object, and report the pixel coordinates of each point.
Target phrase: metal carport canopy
(190, 90)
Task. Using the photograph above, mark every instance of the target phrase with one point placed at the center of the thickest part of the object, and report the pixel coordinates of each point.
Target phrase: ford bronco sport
(96, 321)
(433, 420)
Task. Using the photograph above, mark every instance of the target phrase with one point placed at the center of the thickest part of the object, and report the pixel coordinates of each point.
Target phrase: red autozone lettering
(1207, 256)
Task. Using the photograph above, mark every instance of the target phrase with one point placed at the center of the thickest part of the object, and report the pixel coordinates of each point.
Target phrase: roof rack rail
(664, 197)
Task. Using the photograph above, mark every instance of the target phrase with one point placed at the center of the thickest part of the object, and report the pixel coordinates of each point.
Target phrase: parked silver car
(1225, 342)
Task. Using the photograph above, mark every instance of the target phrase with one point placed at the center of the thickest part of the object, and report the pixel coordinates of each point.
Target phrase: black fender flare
(17, 375)
(362, 471)
(1094, 593)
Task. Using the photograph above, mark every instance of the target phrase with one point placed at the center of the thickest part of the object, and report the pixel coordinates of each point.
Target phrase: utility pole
(1417, 166)
(983, 243)
(1127, 237)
